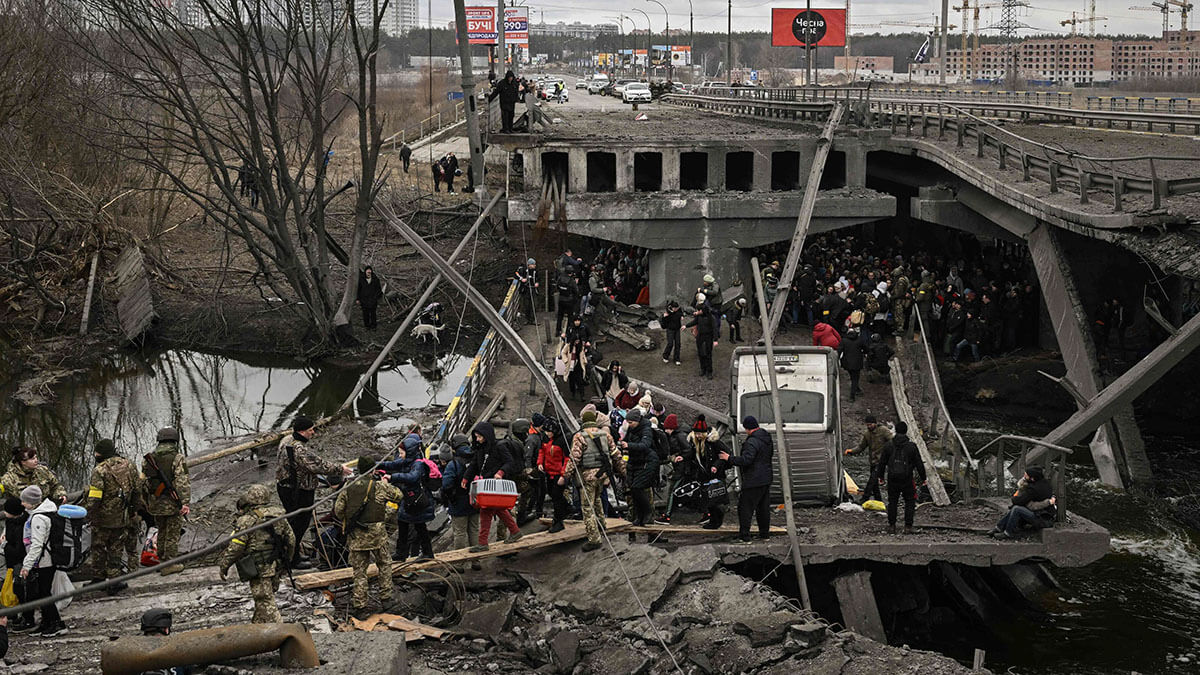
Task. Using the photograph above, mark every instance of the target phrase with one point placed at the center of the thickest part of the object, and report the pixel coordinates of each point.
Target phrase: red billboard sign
(481, 25)
(801, 27)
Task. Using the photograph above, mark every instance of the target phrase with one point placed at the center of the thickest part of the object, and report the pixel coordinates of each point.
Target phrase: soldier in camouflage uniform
(113, 499)
(168, 494)
(594, 457)
(25, 471)
(362, 510)
(296, 479)
(270, 548)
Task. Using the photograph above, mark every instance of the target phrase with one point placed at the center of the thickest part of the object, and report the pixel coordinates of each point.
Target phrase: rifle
(164, 484)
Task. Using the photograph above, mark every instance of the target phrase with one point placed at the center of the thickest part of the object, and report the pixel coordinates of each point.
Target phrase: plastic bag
(874, 505)
(62, 584)
(8, 597)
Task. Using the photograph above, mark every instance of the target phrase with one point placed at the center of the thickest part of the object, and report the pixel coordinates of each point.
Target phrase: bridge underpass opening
(693, 171)
(835, 171)
(556, 166)
(785, 170)
(647, 171)
(739, 171)
(601, 172)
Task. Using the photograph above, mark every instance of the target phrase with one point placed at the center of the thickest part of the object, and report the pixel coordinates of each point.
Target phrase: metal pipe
(132, 655)
(785, 474)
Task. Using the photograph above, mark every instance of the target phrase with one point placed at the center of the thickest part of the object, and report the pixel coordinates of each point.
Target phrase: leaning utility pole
(785, 473)
(500, 47)
(468, 88)
(944, 51)
(729, 47)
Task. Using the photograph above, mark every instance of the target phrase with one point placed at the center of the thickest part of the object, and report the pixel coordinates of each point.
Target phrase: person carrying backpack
(362, 510)
(260, 557)
(38, 567)
(464, 517)
(114, 498)
(643, 466)
(412, 475)
(169, 494)
(899, 459)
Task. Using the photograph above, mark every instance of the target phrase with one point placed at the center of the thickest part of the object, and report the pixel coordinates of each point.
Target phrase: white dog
(425, 330)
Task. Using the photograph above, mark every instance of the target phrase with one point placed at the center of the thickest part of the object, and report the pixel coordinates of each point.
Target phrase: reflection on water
(206, 396)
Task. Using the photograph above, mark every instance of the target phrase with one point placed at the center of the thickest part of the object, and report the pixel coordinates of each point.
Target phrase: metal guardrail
(1169, 104)
(458, 413)
(430, 125)
(1052, 98)
(1036, 160)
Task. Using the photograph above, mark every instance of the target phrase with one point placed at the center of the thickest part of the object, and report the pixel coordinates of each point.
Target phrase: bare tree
(235, 106)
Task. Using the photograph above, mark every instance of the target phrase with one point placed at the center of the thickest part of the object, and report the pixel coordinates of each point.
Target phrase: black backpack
(898, 465)
(662, 446)
(65, 541)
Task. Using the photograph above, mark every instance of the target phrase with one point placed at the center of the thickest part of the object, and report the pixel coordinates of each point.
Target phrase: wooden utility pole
(785, 474)
(802, 220)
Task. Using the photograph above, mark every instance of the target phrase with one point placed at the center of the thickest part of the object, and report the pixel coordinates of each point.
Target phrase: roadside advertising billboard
(800, 27)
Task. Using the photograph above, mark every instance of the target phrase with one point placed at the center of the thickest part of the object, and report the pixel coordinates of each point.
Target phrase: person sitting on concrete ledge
(1033, 505)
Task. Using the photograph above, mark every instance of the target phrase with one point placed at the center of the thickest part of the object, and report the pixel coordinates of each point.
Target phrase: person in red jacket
(825, 335)
(551, 461)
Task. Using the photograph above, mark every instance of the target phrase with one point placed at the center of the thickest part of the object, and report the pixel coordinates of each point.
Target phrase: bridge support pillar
(675, 274)
(670, 169)
(1117, 447)
(856, 165)
(625, 171)
(577, 171)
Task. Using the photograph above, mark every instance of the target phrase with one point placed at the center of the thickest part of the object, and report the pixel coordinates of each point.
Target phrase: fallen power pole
(1123, 390)
(416, 308)
(502, 328)
(785, 474)
(824, 144)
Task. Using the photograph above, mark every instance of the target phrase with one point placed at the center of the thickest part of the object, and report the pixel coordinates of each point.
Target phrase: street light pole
(729, 47)
(649, 40)
(670, 63)
(691, 42)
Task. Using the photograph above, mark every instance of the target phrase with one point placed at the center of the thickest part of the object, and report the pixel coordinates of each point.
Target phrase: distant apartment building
(1076, 60)
(576, 29)
(883, 65)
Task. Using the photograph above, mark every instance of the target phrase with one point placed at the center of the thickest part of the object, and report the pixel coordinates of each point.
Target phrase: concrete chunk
(565, 646)
(488, 620)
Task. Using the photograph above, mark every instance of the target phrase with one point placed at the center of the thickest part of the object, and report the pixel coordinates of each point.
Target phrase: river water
(1136, 609)
(130, 395)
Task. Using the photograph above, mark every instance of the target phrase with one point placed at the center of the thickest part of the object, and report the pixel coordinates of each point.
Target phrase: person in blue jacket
(464, 517)
(416, 509)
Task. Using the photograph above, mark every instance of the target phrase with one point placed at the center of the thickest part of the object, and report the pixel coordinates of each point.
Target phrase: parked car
(597, 87)
(636, 92)
(581, 84)
(619, 87)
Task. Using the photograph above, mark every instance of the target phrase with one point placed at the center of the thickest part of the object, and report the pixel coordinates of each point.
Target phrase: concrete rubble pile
(579, 616)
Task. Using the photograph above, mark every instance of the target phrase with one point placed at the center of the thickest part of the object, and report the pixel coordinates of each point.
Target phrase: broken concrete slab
(696, 562)
(721, 596)
(808, 634)
(565, 647)
(488, 620)
(616, 659)
(766, 630)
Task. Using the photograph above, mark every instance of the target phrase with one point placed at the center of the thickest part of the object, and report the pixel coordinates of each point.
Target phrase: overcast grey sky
(710, 15)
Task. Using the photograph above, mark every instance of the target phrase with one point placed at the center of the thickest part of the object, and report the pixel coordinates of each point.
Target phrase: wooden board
(529, 542)
(681, 529)
(135, 303)
(905, 412)
(856, 599)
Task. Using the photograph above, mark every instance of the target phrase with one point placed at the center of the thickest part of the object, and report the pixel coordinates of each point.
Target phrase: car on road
(619, 87)
(581, 84)
(636, 92)
(597, 87)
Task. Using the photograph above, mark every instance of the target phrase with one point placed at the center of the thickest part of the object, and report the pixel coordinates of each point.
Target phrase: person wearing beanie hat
(26, 470)
(538, 419)
(527, 285)
(671, 423)
(715, 299)
(594, 457)
(755, 464)
(686, 463)
(14, 553)
(37, 568)
(169, 494)
(297, 474)
(588, 418)
(464, 517)
(874, 439)
(362, 509)
(261, 554)
(706, 328)
(114, 498)
(551, 461)
(899, 459)
(645, 403)
(643, 466)
(1034, 506)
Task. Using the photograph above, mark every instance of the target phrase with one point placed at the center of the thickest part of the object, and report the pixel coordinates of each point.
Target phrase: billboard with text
(801, 27)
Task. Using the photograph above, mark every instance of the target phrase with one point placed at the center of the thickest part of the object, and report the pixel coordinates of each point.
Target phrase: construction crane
(1184, 7)
(1075, 20)
(1158, 7)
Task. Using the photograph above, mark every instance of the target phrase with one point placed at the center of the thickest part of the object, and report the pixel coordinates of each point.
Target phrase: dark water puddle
(207, 396)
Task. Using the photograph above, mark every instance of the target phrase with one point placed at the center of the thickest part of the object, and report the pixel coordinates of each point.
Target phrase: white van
(809, 402)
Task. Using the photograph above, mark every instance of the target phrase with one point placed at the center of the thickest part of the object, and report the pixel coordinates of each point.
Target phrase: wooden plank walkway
(135, 303)
(529, 542)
